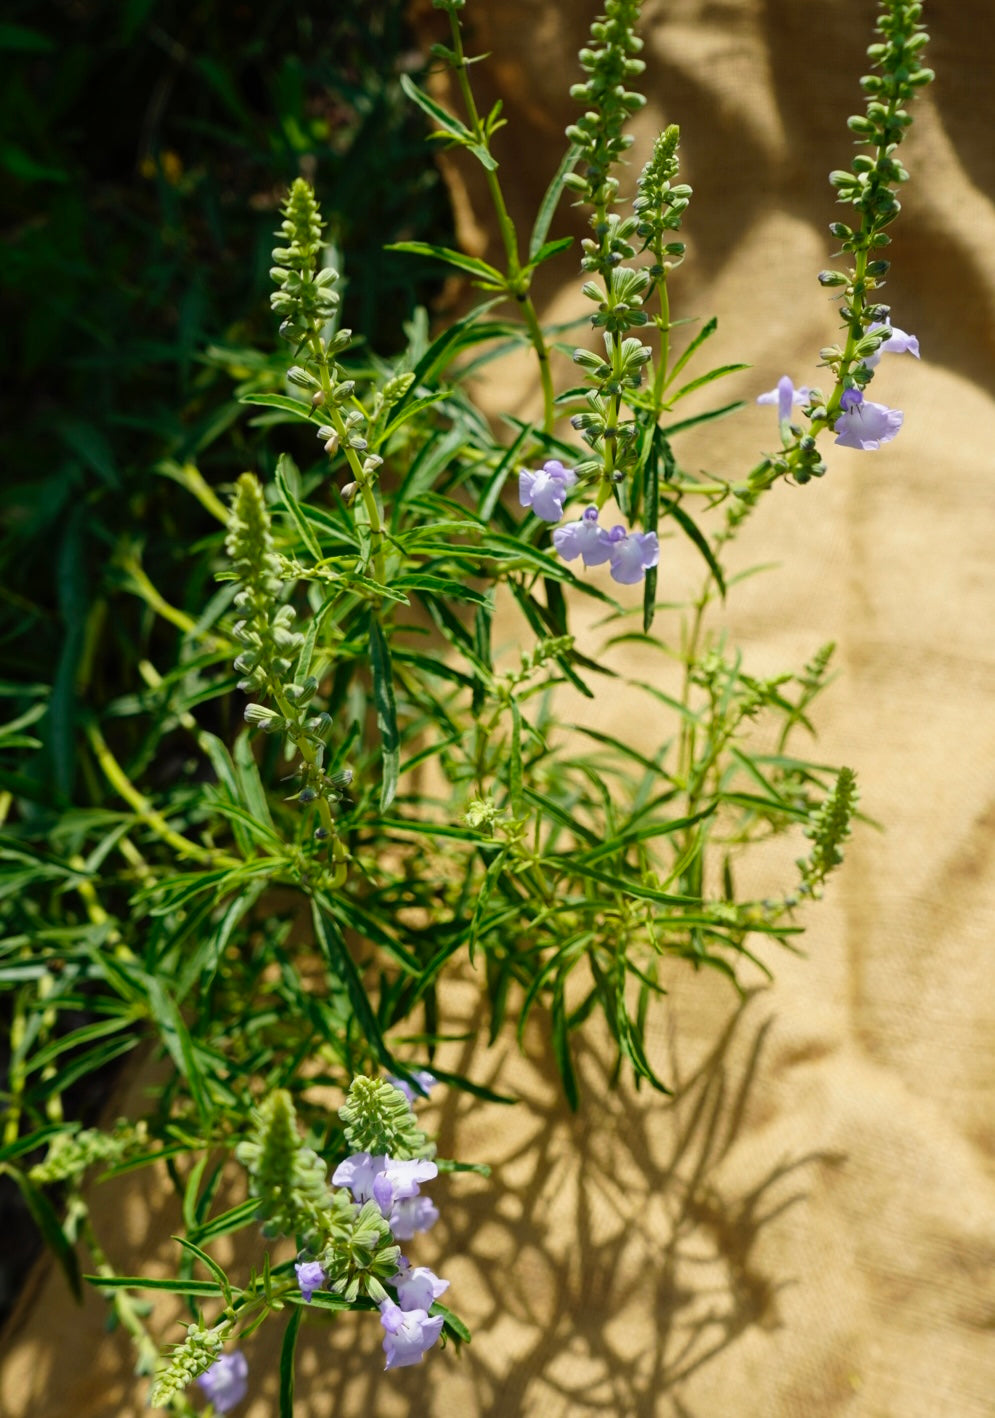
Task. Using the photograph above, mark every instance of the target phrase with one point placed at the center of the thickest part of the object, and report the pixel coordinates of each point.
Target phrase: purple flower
(422, 1077)
(226, 1382)
(398, 1181)
(784, 396)
(411, 1215)
(632, 555)
(418, 1288)
(409, 1333)
(585, 539)
(868, 425)
(310, 1277)
(545, 490)
(898, 342)
(358, 1173)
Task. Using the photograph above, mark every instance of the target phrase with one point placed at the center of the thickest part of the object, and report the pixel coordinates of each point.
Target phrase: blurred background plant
(145, 147)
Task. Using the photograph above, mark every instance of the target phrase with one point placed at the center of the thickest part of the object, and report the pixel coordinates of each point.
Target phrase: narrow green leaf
(283, 471)
(707, 417)
(32, 1140)
(705, 333)
(691, 529)
(280, 401)
(659, 449)
(210, 1263)
(176, 1038)
(142, 1282)
(336, 952)
(250, 785)
(462, 262)
(44, 1217)
(561, 1046)
(439, 115)
(549, 250)
(550, 202)
(718, 373)
(470, 330)
(515, 761)
(287, 1352)
(383, 698)
(455, 1326)
(228, 1221)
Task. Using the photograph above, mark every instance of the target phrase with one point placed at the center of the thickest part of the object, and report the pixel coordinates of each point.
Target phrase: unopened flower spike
(287, 1177)
(194, 1358)
(303, 297)
(378, 1120)
(611, 64)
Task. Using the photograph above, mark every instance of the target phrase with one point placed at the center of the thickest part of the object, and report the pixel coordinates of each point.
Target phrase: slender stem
(120, 781)
(518, 281)
(663, 325)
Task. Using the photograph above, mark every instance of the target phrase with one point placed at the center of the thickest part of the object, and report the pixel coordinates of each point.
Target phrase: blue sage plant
(348, 792)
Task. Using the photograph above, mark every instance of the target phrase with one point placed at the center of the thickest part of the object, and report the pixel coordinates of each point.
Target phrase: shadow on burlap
(807, 1228)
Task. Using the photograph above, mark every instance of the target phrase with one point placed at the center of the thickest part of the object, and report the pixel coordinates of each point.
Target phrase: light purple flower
(585, 538)
(422, 1077)
(784, 395)
(310, 1277)
(544, 491)
(398, 1181)
(409, 1333)
(226, 1382)
(868, 425)
(411, 1215)
(358, 1173)
(898, 342)
(418, 1288)
(632, 555)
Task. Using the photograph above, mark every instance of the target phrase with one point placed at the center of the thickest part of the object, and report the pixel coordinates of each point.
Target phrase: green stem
(123, 785)
(518, 282)
(352, 457)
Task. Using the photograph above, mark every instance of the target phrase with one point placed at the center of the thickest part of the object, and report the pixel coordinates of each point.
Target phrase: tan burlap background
(808, 1228)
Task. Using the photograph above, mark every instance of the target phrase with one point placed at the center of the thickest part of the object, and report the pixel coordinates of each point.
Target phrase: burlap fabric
(808, 1228)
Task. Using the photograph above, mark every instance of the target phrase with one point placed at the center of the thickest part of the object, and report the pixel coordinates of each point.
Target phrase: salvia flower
(226, 1382)
(310, 1277)
(411, 1215)
(417, 1287)
(545, 491)
(632, 555)
(585, 538)
(868, 425)
(421, 1076)
(358, 1173)
(398, 1181)
(784, 395)
(408, 1334)
(898, 342)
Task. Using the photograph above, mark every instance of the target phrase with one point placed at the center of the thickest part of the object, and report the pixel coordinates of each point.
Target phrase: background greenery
(145, 146)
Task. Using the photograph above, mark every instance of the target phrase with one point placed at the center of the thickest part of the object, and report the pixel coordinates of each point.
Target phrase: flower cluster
(860, 423)
(394, 1186)
(629, 554)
